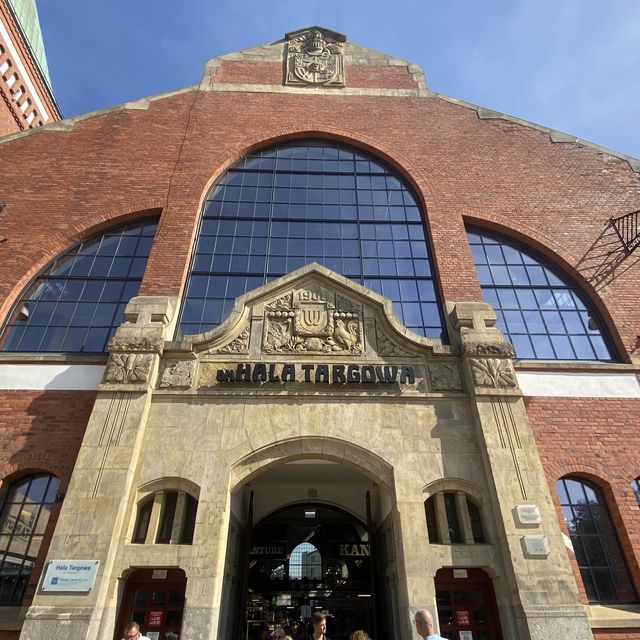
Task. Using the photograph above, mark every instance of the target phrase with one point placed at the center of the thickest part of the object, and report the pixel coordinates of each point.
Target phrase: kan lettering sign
(350, 550)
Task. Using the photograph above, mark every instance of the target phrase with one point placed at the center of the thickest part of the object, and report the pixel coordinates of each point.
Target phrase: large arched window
(76, 304)
(604, 571)
(23, 521)
(298, 202)
(541, 311)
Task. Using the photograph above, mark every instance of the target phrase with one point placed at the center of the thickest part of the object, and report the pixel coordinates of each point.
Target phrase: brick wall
(41, 432)
(598, 439)
(272, 73)
(558, 197)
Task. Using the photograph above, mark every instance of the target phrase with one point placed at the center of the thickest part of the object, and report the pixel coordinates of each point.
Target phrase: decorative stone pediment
(315, 57)
(312, 312)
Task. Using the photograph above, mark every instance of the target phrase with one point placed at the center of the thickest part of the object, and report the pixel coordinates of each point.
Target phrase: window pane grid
(595, 543)
(25, 514)
(542, 314)
(77, 303)
(311, 202)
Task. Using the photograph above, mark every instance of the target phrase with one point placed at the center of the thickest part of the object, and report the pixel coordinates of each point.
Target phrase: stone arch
(455, 484)
(316, 447)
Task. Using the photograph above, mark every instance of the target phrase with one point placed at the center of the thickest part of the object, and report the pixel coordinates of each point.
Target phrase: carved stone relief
(177, 373)
(314, 58)
(128, 368)
(238, 345)
(445, 377)
(136, 343)
(387, 347)
(313, 320)
(495, 349)
(493, 372)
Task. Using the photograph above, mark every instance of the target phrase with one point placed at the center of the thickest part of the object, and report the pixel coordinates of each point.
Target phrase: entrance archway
(310, 535)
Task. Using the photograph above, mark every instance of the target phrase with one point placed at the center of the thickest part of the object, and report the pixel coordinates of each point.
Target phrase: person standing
(425, 625)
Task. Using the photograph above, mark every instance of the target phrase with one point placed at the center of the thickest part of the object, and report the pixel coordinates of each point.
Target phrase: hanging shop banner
(70, 575)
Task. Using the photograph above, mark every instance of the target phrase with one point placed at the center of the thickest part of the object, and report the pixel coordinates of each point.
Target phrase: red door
(467, 605)
(154, 598)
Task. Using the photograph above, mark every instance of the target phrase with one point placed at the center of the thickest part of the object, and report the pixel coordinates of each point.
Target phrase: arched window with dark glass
(595, 543)
(541, 311)
(635, 485)
(76, 304)
(23, 520)
(453, 518)
(281, 208)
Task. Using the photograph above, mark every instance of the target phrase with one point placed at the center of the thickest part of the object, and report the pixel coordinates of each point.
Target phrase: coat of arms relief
(315, 57)
(313, 320)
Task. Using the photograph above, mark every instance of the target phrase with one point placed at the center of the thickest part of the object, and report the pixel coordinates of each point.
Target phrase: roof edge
(69, 123)
(554, 135)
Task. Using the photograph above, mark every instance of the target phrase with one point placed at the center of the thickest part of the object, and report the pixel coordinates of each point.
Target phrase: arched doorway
(309, 535)
(307, 558)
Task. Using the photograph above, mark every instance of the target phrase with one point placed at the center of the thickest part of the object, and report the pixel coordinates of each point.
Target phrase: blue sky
(572, 65)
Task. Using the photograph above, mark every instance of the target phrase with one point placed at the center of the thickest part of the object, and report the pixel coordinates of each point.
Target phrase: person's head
(360, 635)
(319, 621)
(132, 631)
(278, 634)
(424, 623)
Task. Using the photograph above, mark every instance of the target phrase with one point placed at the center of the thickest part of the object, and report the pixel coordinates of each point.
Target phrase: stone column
(544, 601)
(96, 513)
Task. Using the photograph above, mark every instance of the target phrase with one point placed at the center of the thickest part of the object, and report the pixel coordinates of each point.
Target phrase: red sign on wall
(155, 619)
(463, 618)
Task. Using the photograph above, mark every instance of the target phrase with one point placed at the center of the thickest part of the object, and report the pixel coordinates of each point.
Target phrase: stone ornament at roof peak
(314, 57)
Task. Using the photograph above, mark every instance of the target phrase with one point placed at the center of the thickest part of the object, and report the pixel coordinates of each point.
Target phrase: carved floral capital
(128, 368)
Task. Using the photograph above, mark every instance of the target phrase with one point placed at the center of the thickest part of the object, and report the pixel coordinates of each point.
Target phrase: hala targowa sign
(70, 575)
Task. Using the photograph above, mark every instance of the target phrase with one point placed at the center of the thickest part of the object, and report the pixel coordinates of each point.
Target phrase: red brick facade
(41, 431)
(22, 84)
(160, 159)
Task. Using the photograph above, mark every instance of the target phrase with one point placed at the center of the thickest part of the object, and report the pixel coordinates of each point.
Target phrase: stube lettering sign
(272, 373)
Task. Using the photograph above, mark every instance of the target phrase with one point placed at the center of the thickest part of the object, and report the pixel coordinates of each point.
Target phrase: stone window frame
(464, 493)
(160, 495)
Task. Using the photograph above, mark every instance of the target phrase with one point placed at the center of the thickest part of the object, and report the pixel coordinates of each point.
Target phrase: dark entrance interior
(467, 605)
(306, 558)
